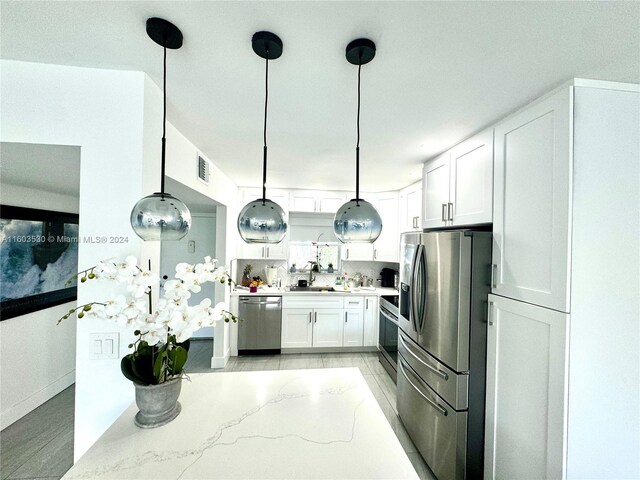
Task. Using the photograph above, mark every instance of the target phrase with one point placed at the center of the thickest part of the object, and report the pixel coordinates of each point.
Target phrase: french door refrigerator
(444, 286)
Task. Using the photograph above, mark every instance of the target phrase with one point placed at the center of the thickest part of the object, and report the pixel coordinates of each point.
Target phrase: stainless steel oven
(388, 334)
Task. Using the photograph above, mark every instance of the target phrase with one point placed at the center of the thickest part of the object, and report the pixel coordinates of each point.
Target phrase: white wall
(181, 166)
(203, 233)
(37, 358)
(102, 112)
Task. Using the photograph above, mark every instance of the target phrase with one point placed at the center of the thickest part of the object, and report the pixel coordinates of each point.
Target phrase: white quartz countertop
(283, 291)
(285, 424)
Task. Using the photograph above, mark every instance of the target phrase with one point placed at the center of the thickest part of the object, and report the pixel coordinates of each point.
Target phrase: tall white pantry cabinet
(563, 362)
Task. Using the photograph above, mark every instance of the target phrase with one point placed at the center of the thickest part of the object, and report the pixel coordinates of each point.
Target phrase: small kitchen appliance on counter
(388, 278)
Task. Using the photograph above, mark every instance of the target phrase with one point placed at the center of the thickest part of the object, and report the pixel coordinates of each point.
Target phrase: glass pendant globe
(160, 216)
(357, 221)
(262, 221)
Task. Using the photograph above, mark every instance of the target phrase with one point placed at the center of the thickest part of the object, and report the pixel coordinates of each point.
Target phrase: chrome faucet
(311, 277)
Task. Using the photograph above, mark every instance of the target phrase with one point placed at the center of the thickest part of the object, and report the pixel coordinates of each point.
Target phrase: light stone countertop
(263, 291)
(286, 424)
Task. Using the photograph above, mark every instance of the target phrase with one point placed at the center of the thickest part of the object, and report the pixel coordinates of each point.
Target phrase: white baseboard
(220, 362)
(16, 412)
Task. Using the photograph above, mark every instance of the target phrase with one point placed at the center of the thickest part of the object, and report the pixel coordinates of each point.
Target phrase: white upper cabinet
(435, 191)
(471, 181)
(458, 185)
(532, 203)
(410, 200)
(357, 252)
(316, 201)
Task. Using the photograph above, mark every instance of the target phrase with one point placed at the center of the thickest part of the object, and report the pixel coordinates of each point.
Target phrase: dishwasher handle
(253, 302)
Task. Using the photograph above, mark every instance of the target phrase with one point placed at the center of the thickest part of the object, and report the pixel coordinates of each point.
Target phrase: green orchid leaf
(126, 365)
(160, 365)
(177, 359)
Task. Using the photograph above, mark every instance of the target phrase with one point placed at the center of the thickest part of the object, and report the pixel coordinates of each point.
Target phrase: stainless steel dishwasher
(260, 325)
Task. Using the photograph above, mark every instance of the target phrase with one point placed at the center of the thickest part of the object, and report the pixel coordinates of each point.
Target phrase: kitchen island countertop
(289, 424)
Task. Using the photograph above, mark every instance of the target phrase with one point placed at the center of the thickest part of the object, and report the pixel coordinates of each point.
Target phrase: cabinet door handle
(347, 257)
(366, 303)
(375, 253)
(494, 271)
(444, 212)
(345, 317)
(267, 251)
(315, 205)
(310, 313)
(315, 317)
(490, 312)
(450, 209)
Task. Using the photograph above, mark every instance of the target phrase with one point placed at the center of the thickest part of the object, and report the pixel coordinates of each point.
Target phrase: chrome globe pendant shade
(161, 216)
(357, 221)
(262, 220)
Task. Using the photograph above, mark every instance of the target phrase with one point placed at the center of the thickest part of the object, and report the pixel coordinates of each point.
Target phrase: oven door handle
(438, 408)
(439, 373)
(390, 318)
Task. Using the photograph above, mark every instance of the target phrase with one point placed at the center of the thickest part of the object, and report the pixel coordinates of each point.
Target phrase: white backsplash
(370, 269)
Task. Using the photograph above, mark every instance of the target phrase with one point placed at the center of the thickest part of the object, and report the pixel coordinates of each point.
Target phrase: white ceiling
(52, 168)
(443, 71)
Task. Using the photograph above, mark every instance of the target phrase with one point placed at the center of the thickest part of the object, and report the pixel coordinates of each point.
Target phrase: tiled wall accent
(370, 269)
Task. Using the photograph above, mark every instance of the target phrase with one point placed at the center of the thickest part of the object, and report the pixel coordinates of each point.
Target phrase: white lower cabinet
(327, 327)
(297, 327)
(370, 322)
(353, 322)
(329, 321)
(525, 424)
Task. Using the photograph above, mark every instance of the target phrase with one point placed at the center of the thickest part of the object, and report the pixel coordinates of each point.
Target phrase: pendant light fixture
(161, 216)
(357, 221)
(262, 220)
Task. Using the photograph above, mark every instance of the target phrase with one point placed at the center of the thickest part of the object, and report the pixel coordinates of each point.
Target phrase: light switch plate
(104, 345)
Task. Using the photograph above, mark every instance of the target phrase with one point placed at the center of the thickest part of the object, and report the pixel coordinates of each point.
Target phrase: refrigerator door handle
(423, 311)
(412, 299)
(438, 408)
(439, 373)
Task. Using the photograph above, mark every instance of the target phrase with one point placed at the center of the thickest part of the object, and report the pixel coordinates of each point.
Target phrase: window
(301, 254)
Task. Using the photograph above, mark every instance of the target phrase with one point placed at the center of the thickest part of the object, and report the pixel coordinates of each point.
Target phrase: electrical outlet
(104, 345)
(191, 246)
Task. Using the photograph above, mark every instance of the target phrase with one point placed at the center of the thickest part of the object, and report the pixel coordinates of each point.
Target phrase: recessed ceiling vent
(203, 169)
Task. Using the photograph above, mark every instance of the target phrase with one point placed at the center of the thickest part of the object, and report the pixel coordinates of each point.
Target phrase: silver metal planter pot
(158, 404)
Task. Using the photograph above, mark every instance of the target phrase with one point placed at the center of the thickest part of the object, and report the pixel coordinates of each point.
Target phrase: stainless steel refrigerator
(444, 284)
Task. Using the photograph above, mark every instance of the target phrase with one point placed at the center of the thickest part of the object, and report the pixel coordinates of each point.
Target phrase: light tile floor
(40, 445)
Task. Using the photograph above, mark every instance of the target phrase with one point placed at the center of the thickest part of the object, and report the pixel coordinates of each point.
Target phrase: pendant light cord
(164, 118)
(358, 141)
(264, 133)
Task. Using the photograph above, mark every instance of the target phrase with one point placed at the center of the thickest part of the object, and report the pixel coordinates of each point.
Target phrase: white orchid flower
(115, 306)
(176, 290)
(183, 269)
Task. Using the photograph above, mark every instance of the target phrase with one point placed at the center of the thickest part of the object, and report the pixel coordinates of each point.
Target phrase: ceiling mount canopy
(357, 221)
(263, 220)
(161, 216)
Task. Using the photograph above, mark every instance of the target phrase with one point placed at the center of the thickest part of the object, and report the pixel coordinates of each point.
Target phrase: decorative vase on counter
(158, 404)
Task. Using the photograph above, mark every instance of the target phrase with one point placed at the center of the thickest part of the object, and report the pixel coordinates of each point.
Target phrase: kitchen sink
(295, 288)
